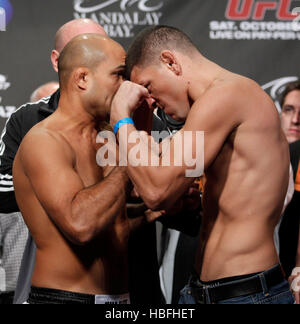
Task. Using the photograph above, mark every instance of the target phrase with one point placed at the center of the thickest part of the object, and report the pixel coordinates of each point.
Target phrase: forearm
(96, 208)
(135, 213)
(137, 216)
(158, 181)
(137, 223)
(135, 210)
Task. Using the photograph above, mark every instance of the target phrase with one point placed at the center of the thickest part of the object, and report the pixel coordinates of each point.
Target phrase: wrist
(127, 184)
(122, 122)
(122, 175)
(118, 114)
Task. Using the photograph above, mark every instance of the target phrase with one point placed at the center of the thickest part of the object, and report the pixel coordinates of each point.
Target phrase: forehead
(115, 54)
(142, 75)
(293, 98)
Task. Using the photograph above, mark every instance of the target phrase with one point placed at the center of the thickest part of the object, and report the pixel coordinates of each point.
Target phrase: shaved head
(74, 28)
(84, 51)
(44, 90)
(90, 70)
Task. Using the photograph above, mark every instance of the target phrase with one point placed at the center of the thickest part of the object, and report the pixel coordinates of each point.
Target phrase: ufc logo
(2, 19)
(296, 21)
(256, 10)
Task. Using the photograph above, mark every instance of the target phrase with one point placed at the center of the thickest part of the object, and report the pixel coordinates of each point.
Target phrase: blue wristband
(121, 123)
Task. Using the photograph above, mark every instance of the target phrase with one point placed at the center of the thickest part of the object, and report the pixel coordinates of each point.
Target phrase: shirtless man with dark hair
(246, 164)
(74, 209)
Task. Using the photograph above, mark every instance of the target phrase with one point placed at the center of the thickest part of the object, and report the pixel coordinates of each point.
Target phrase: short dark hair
(289, 88)
(151, 41)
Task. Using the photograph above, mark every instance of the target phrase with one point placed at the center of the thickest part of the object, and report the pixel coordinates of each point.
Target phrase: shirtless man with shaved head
(14, 231)
(74, 209)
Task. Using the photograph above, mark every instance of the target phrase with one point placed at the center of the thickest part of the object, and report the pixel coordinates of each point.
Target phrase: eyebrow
(121, 67)
(291, 106)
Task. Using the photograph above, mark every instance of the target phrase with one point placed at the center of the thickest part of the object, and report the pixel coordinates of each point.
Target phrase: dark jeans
(279, 294)
(51, 296)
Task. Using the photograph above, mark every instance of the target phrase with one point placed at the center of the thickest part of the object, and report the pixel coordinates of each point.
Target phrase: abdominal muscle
(100, 267)
(234, 247)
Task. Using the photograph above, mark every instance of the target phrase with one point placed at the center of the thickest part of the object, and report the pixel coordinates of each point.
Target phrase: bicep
(190, 152)
(197, 145)
(213, 121)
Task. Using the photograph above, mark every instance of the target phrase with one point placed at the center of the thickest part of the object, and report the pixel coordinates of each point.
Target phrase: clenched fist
(127, 99)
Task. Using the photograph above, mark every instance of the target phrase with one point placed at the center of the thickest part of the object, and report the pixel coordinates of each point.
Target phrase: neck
(202, 74)
(73, 112)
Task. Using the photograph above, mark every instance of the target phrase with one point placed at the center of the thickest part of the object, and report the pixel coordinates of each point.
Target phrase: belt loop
(207, 296)
(264, 284)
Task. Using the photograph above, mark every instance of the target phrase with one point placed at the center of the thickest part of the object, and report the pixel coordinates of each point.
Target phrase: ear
(81, 78)
(170, 60)
(54, 60)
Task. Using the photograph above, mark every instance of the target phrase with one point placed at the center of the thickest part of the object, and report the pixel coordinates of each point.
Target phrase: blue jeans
(279, 294)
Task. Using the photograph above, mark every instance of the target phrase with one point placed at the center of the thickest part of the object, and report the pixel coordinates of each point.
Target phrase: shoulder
(235, 97)
(221, 99)
(234, 90)
(31, 107)
(43, 143)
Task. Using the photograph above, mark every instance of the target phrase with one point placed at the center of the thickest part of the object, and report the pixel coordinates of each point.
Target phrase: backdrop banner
(258, 39)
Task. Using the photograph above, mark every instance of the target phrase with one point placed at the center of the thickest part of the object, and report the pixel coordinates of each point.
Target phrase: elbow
(80, 234)
(154, 199)
(82, 239)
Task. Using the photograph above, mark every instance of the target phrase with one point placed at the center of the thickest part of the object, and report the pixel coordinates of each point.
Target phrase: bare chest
(85, 164)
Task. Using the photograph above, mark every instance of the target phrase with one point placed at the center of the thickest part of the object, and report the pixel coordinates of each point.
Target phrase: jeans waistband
(220, 290)
(54, 296)
(195, 279)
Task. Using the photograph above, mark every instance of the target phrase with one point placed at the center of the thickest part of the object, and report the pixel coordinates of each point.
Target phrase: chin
(177, 118)
(180, 118)
(292, 139)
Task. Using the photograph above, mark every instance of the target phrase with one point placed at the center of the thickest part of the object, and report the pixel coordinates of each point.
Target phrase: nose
(151, 103)
(296, 117)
